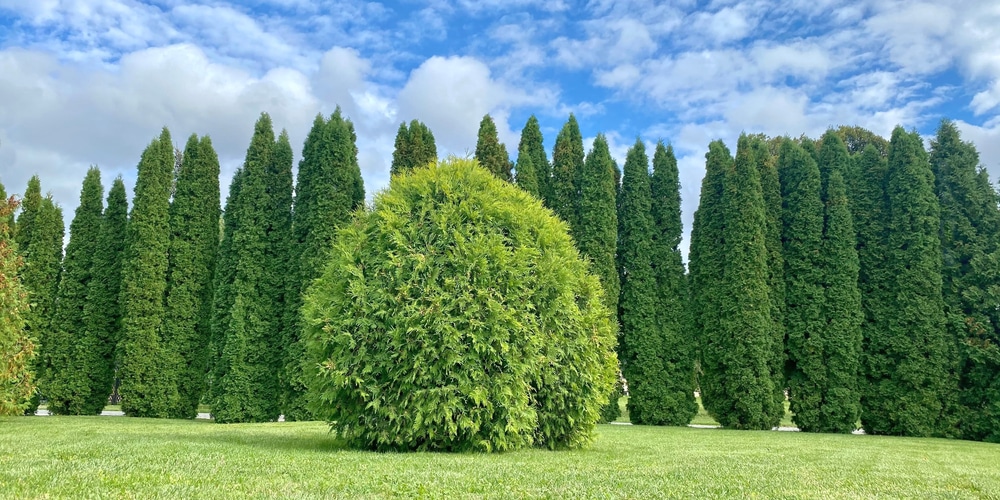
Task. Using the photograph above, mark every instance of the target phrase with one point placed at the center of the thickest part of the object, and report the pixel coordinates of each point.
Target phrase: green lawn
(702, 418)
(114, 457)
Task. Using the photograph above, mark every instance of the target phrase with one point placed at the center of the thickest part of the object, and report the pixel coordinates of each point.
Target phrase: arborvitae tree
(325, 197)
(771, 189)
(531, 147)
(194, 241)
(40, 276)
(970, 230)
(148, 384)
(245, 375)
(842, 306)
(223, 296)
(738, 384)
(671, 291)
(67, 384)
(706, 265)
(802, 234)
(527, 177)
(17, 349)
(415, 147)
(30, 204)
(567, 166)
(490, 152)
(103, 312)
(909, 362)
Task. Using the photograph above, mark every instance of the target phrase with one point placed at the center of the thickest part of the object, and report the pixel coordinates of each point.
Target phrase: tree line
(854, 275)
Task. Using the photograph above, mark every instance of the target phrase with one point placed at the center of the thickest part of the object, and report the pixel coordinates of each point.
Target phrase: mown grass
(113, 457)
(702, 418)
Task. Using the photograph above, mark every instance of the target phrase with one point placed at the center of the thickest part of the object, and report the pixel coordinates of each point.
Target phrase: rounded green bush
(456, 314)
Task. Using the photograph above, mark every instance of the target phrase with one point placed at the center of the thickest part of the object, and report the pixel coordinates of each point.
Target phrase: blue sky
(92, 81)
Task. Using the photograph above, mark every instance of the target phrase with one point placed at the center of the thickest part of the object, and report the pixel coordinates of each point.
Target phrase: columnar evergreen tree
(148, 386)
(247, 323)
(30, 204)
(738, 386)
(842, 313)
(415, 147)
(531, 147)
(40, 276)
(490, 152)
(325, 197)
(909, 361)
(567, 166)
(970, 230)
(17, 349)
(802, 234)
(527, 176)
(706, 264)
(67, 384)
(672, 321)
(194, 241)
(102, 312)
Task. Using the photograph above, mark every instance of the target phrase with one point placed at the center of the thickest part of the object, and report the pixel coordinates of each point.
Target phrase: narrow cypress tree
(802, 233)
(908, 361)
(739, 379)
(30, 204)
(325, 196)
(414, 147)
(531, 147)
(527, 177)
(17, 349)
(222, 285)
(401, 149)
(67, 385)
(671, 291)
(490, 152)
(567, 166)
(148, 387)
(194, 240)
(842, 307)
(970, 229)
(102, 312)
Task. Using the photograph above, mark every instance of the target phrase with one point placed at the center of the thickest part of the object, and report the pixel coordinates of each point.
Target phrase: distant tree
(490, 152)
(856, 139)
(672, 320)
(415, 147)
(531, 147)
(30, 205)
(194, 242)
(103, 312)
(69, 348)
(17, 348)
(148, 380)
(567, 167)
(527, 177)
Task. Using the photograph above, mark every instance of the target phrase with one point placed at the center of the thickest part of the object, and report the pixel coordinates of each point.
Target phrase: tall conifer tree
(490, 152)
(102, 312)
(567, 166)
(67, 385)
(531, 146)
(527, 176)
(415, 147)
(17, 349)
(30, 204)
(148, 387)
(194, 240)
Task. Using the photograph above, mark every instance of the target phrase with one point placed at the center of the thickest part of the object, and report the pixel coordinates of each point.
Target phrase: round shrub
(456, 314)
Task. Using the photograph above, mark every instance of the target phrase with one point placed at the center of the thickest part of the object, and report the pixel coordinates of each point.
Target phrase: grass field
(109, 457)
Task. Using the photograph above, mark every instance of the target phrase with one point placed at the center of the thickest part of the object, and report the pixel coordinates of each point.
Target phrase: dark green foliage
(970, 228)
(531, 146)
(527, 176)
(415, 147)
(103, 312)
(490, 152)
(250, 283)
(457, 315)
(325, 197)
(194, 241)
(17, 349)
(30, 205)
(68, 347)
(842, 307)
(677, 394)
(856, 139)
(148, 381)
(567, 167)
(909, 362)
(738, 384)
(802, 235)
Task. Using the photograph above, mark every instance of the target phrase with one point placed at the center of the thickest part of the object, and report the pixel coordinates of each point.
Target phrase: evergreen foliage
(457, 315)
(68, 348)
(102, 312)
(531, 146)
(527, 176)
(148, 382)
(908, 360)
(856, 139)
(490, 152)
(677, 393)
(567, 167)
(970, 228)
(17, 348)
(194, 241)
(30, 205)
(415, 147)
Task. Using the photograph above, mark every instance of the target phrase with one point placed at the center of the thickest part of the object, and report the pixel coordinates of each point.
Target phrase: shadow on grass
(320, 443)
